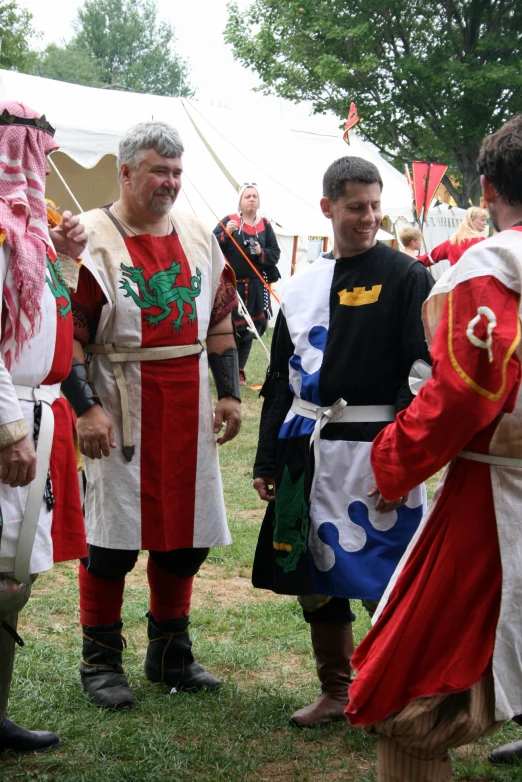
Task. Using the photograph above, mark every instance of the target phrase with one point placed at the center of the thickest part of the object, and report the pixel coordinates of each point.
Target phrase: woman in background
(469, 232)
(256, 237)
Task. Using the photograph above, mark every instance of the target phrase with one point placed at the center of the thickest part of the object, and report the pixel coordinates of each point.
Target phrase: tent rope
(241, 308)
(64, 183)
(295, 195)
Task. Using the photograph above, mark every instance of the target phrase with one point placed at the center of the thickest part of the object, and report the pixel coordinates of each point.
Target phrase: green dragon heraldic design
(58, 287)
(160, 290)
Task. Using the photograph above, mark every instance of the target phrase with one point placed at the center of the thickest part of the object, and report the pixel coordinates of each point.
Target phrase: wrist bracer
(225, 370)
(79, 390)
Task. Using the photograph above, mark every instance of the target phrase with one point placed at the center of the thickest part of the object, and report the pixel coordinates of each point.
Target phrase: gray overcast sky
(199, 27)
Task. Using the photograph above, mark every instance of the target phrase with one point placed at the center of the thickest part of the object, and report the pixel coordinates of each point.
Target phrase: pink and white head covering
(23, 221)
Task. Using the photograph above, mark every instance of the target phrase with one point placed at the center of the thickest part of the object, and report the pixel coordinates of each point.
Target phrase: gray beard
(160, 210)
(155, 208)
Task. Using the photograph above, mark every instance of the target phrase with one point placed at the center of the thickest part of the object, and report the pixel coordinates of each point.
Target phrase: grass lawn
(255, 641)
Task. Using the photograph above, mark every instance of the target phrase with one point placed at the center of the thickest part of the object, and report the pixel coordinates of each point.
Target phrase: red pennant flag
(351, 120)
(426, 179)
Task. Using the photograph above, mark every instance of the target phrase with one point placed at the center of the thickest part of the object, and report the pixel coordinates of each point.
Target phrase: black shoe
(21, 740)
(170, 659)
(101, 670)
(507, 755)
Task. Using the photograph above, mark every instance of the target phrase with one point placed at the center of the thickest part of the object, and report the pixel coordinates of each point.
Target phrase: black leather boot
(101, 669)
(170, 659)
(509, 754)
(21, 740)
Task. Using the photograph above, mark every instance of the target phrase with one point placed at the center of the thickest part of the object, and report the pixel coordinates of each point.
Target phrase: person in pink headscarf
(37, 472)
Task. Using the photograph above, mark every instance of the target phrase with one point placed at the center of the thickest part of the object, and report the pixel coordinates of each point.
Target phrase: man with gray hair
(153, 311)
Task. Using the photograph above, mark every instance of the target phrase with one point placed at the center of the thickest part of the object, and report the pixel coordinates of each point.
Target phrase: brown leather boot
(333, 649)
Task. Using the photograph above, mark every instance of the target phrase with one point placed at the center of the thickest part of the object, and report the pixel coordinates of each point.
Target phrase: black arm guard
(79, 390)
(225, 370)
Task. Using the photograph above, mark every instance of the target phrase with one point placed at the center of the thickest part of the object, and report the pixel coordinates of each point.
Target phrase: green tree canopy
(15, 31)
(430, 78)
(120, 43)
(69, 63)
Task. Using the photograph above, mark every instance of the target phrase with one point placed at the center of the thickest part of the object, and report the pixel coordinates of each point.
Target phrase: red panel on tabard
(169, 391)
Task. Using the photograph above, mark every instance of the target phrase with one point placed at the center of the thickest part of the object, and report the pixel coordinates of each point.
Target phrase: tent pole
(64, 183)
(294, 256)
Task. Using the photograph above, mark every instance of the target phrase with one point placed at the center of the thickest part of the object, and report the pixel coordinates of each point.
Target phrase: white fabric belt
(342, 413)
(488, 458)
(119, 355)
(47, 395)
(338, 413)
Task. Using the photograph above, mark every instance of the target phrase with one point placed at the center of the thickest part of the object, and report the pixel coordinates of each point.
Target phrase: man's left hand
(70, 237)
(386, 506)
(228, 410)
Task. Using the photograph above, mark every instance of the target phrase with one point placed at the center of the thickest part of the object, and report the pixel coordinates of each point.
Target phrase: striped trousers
(413, 744)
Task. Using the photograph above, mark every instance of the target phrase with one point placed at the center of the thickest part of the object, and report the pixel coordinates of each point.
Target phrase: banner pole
(424, 206)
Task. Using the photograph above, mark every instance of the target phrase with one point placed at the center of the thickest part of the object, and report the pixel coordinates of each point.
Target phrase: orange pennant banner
(351, 120)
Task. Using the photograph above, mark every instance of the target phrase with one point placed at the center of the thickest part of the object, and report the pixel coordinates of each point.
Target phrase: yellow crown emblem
(360, 296)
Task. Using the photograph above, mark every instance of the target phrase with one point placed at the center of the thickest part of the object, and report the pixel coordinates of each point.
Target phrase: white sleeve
(10, 410)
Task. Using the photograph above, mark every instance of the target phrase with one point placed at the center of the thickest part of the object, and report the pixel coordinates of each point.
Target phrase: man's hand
(265, 487)
(18, 463)
(95, 433)
(257, 248)
(70, 237)
(228, 410)
(386, 506)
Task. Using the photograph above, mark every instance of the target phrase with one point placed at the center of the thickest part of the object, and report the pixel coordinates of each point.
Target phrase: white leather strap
(488, 458)
(119, 355)
(337, 413)
(47, 395)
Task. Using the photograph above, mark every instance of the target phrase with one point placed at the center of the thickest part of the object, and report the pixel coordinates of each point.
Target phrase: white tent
(223, 149)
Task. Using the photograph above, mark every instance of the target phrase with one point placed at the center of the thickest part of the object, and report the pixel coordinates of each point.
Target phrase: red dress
(449, 251)
(436, 634)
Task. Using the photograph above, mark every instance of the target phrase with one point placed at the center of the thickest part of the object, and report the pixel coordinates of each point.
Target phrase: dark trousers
(320, 608)
(112, 564)
(243, 349)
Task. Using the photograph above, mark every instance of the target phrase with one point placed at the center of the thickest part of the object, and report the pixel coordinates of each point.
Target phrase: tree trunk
(452, 190)
(471, 188)
(470, 192)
